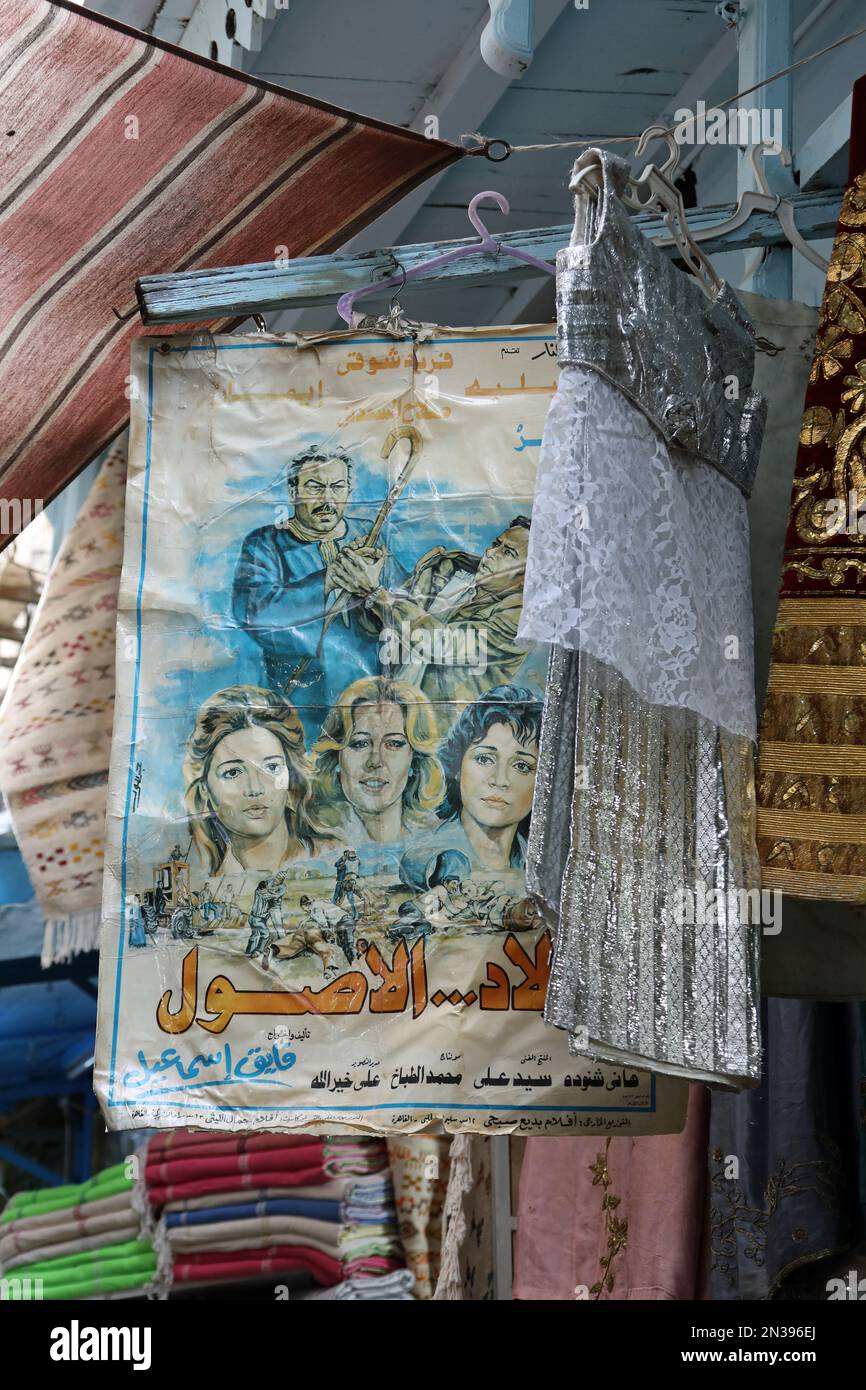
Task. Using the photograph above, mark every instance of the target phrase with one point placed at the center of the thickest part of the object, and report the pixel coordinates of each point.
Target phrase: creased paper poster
(325, 746)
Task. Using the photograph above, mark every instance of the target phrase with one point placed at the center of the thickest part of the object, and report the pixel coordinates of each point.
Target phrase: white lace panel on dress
(639, 555)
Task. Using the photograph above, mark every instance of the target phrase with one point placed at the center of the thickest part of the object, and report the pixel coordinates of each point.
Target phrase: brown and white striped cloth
(123, 157)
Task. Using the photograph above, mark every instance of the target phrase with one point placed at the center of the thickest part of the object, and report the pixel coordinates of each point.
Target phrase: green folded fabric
(87, 1285)
(143, 1269)
(90, 1260)
(105, 1184)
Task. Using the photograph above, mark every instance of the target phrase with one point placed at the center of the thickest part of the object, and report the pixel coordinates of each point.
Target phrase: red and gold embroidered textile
(812, 782)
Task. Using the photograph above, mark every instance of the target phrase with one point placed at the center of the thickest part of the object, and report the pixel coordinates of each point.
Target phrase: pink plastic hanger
(346, 302)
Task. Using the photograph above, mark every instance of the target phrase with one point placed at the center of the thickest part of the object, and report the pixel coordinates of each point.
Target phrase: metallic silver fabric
(642, 849)
(642, 854)
(625, 310)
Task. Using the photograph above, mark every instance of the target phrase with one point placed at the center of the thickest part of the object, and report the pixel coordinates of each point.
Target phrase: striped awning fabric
(121, 157)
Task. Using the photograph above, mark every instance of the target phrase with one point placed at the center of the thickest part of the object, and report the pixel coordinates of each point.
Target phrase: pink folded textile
(349, 1156)
(178, 1191)
(184, 1143)
(370, 1265)
(648, 1245)
(247, 1264)
(288, 1160)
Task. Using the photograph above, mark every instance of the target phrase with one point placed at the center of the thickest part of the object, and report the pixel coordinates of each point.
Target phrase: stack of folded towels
(80, 1241)
(237, 1208)
(370, 1239)
(395, 1288)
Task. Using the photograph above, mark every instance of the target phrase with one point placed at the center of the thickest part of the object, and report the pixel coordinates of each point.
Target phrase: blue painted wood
(28, 970)
(506, 41)
(82, 1137)
(238, 291)
(765, 44)
(30, 1165)
(25, 1089)
(823, 157)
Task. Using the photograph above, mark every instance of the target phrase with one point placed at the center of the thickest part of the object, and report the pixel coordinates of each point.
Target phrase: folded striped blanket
(79, 1240)
(185, 1143)
(126, 1265)
(365, 1216)
(397, 1285)
(373, 1189)
(72, 1245)
(282, 1231)
(381, 1239)
(102, 1261)
(251, 1264)
(129, 1265)
(369, 1199)
(108, 1183)
(137, 1276)
(332, 1190)
(238, 1182)
(232, 1206)
(274, 1206)
(229, 1165)
(19, 1233)
(346, 1156)
(370, 1265)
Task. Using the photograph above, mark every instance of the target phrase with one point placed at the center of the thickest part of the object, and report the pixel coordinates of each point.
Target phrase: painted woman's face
(376, 760)
(248, 782)
(497, 777)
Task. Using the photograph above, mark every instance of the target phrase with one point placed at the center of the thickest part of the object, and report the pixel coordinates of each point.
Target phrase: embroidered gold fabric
(615, 1227)
(812, 757)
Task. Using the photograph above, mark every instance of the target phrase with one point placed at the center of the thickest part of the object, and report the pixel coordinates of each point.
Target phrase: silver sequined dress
(642, 842)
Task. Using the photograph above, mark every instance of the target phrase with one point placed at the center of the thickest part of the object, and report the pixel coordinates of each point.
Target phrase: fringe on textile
(460, 1183)
(69, 936)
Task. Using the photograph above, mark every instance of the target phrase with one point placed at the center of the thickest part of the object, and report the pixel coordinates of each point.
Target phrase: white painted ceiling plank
(462, 99)
(823, 146)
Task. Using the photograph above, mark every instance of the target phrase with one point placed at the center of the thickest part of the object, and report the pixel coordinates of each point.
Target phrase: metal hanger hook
(394, 306)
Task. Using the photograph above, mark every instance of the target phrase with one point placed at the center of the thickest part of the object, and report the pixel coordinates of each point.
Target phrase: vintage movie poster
(325, 746)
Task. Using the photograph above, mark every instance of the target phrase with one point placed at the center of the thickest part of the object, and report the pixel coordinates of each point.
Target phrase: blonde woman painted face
(377, 773)
(376, 762)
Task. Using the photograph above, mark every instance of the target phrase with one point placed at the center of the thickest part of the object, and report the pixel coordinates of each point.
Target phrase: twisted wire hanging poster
(325, 745)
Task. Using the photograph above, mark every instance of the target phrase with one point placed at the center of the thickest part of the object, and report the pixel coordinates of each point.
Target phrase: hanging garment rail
(239, 291)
